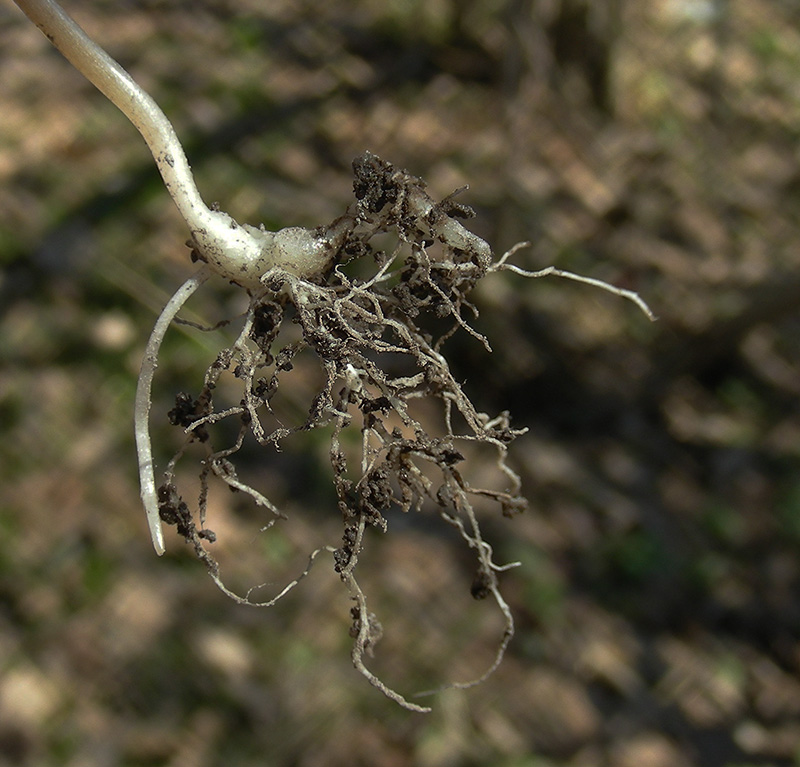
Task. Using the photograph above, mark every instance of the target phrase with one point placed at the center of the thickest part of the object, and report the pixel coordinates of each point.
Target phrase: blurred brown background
(652, 144)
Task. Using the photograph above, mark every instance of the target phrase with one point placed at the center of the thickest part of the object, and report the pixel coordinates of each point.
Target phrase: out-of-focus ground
(652, 144)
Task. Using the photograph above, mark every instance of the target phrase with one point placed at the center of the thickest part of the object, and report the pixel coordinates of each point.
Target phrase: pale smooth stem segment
(121, 89)
(141, 416)
(238, 252)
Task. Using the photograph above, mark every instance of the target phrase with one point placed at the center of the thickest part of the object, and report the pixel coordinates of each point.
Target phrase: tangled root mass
(353, 325)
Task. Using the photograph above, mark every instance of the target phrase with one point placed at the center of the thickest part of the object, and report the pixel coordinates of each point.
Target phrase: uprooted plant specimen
(352, 326)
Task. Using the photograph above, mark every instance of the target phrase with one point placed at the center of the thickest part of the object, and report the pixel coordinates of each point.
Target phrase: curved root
(141, 414)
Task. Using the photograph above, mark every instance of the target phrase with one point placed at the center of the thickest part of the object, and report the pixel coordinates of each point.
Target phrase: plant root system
(377, 339)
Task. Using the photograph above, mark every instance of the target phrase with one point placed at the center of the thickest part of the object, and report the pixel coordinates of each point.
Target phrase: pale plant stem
(240, 253)
(137, 105)
(141, 416)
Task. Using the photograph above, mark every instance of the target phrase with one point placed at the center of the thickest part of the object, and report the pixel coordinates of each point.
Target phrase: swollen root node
(374, 329)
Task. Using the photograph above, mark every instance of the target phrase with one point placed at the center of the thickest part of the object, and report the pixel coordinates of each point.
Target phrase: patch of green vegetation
(724, 523)
(246, 34)
(765, 42)
(635, 555)
(544, 585)
(98, 571)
